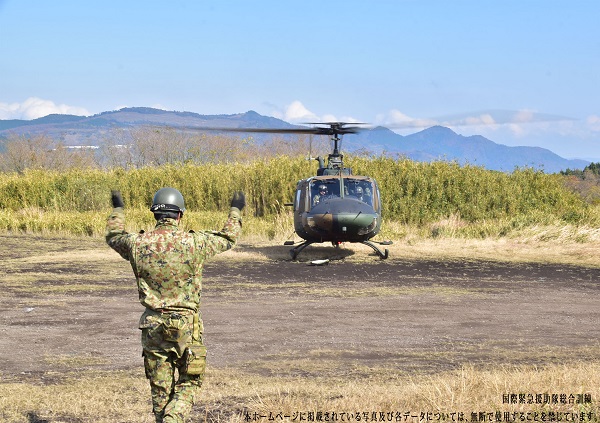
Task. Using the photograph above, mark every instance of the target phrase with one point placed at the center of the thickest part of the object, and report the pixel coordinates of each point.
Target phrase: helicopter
(334, 205)
(337, 206)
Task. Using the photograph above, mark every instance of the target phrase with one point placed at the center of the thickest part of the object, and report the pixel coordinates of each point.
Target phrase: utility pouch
(195, 359)
(176, 329)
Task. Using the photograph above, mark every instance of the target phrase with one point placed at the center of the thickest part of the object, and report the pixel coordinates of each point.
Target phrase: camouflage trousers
(169, 344)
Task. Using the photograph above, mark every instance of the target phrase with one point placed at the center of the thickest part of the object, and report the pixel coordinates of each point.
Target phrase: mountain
(93, 130)
(435, 143)
(440, 143)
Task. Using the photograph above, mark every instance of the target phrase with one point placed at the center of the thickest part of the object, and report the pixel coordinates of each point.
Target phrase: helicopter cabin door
(301, 207)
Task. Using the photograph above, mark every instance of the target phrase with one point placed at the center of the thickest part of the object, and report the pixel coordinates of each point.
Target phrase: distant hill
(435, 143)
(93, 130)
(440, 143)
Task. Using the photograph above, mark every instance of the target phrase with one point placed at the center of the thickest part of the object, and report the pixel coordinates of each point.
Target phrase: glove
(238, 200)
(117, 200)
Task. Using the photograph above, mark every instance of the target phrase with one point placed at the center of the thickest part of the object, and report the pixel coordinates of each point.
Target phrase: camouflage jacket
(167, 262)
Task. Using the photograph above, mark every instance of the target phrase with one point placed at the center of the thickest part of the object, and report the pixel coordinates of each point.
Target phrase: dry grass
(286, 385)
(526, 249)
(230, 395)
(563, 244)
(502, 250)
(466, 390)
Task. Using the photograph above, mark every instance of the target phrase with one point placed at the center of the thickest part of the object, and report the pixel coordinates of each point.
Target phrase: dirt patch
(411, 314)
(282, 317)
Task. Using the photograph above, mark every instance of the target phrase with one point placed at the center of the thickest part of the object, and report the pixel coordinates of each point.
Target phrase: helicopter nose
(345, 217)
(342, 206)
(353, 224)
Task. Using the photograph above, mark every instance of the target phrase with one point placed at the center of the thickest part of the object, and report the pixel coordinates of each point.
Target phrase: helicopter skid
(296, 250)
(382, 254)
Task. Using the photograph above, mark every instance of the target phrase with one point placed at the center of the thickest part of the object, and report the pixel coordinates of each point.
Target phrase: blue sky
(402, 63)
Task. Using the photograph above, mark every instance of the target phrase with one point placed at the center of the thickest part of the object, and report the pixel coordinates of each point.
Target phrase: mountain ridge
(434, 143)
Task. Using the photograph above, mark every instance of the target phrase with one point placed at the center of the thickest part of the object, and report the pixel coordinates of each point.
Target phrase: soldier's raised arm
(233, 226)
(116, 236)
(214, 242)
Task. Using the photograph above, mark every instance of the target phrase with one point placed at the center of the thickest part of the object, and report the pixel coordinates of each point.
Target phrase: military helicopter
(335, 205)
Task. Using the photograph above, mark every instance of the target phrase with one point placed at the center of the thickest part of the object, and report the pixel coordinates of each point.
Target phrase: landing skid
(296, 250)
(382, 254)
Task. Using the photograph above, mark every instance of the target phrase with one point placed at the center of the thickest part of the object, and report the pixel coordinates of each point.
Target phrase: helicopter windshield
(323, 189)
(361, 189)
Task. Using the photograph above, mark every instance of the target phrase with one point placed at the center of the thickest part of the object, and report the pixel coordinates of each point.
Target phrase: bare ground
(71, 304)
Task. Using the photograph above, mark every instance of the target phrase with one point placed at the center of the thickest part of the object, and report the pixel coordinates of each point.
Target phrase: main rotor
(334, 130)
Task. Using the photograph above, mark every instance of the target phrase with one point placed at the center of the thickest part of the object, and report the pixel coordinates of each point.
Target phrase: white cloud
(396, 119)
(483, 119)
(520, 118)
(517, 125)
(524, 116)
(329, 118)
(487, 125)
(593, 123)
(35, 107)
(296, 112)
(495, 123)
(517, 130)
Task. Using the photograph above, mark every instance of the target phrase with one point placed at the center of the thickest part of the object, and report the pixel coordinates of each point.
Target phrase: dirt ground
(72, 304)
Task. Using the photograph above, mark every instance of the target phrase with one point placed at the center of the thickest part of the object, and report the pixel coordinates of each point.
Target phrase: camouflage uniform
(167, 263)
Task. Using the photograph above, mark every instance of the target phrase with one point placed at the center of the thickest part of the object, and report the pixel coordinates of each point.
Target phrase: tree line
(148, 147)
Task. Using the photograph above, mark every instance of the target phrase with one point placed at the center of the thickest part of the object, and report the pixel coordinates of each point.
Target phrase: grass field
(375, 395)
(54, 272)
(64, 361)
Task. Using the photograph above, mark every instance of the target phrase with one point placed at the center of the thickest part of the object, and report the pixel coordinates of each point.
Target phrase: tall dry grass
(480, 203)
(230, 395)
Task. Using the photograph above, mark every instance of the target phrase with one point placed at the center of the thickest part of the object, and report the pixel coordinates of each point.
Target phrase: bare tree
(153, 147)
(41, 152)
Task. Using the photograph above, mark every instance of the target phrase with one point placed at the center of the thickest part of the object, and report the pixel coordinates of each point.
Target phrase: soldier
(322, 194)
(167, 264)
(358, 193)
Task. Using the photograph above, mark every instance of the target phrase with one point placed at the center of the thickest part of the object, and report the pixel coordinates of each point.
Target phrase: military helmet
(358, 191)
(322, 187)
(167, 200)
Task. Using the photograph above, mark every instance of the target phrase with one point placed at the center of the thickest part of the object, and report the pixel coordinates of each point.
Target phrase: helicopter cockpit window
(322, 190)
(360, 189)
(298, 197)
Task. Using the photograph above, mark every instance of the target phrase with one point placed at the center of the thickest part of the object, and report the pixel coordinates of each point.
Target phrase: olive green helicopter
(335, 205)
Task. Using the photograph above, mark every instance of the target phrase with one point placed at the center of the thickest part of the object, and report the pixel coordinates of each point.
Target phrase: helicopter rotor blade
(335, 128)
(234, 129)
(338, 124)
